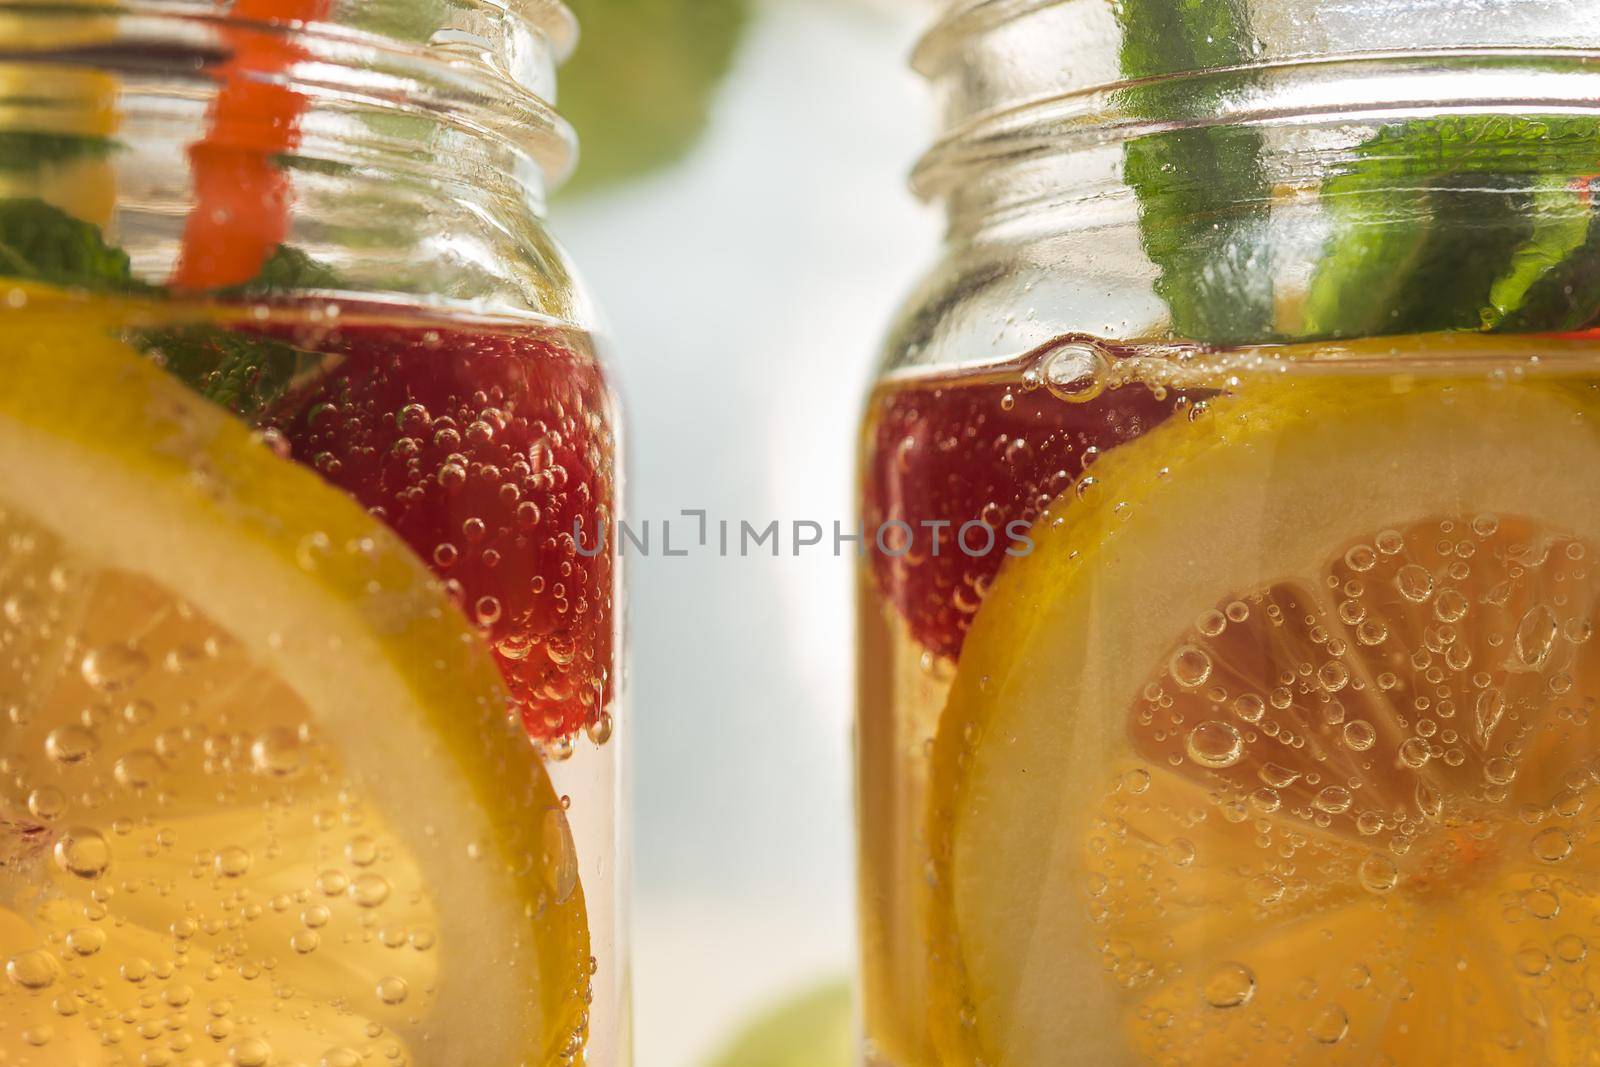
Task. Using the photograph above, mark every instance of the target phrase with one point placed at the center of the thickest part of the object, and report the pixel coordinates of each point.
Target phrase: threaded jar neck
(441, 84)
(1246, 172)
(1019, 81)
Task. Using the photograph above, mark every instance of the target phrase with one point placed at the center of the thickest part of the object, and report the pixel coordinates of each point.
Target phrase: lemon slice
(1280, 748)
(261, 801)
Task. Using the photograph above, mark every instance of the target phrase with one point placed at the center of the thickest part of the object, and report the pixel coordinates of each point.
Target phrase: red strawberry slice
(485, 452)
(994, 447)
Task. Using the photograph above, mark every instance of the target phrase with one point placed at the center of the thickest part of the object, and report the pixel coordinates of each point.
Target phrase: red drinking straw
(242, 194)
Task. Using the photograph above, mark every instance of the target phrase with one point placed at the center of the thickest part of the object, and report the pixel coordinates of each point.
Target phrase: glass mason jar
(1227, 671)
(309, 753)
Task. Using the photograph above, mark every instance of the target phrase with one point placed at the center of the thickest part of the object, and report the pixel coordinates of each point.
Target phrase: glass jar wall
(311, 746)
(1226, 664)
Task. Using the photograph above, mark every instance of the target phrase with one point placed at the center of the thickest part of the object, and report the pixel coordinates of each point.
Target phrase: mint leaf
(288, 270)
(1544, 281)
(242, 372)
(21, 150)
(40, 242)
(1461, 223)
(1203, 192)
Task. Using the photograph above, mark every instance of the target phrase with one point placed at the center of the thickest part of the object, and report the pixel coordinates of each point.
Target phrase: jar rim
(488, 70)
(1020, 78)
(961, 17)
(1307, 90)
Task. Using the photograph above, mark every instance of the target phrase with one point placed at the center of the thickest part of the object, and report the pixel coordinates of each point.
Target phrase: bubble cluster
(1384, 778)
(494, 457)
(194, 872)
(991, 449)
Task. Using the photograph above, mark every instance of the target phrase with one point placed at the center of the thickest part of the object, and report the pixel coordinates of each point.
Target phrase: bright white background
(746, 292)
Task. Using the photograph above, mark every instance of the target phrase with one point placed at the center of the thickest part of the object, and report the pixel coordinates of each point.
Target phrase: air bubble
(361, 851)
(1450, 605)
(1571, 948)
(369, 890)
(1215, 744)
(1378, 873)
(1190, 667)
(559, 856)
(1390, 542)
(1276, 776)
(232, 862)
(392, 990)
(1333, 676)
(452, 476)
(1541, 903)
(1535, 636)
(70, 744)
(114, 666)
(83, 851)
(47, 803)
(251, 1052)
(1413, 752)
(1429, 801)
(1360, 559)
(1414, 583)
(413, 418)
(1249, 707)
(1551, 845)
(1334, 800)
(1532, 961)
(1076, 372)
(139, 769)
(277, 752)
(1229, 985)
(1499, 770)
(33, 970)
(86, 940)
(1359, 735)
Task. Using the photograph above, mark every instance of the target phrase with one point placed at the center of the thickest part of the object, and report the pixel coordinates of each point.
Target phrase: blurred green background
(641, 86)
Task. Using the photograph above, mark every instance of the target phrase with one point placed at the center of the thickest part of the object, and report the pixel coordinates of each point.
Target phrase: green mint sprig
(1203, 192)
(1480, 222)
(40, 242)
(23, 151)
(243, 372)
(1460, 223)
